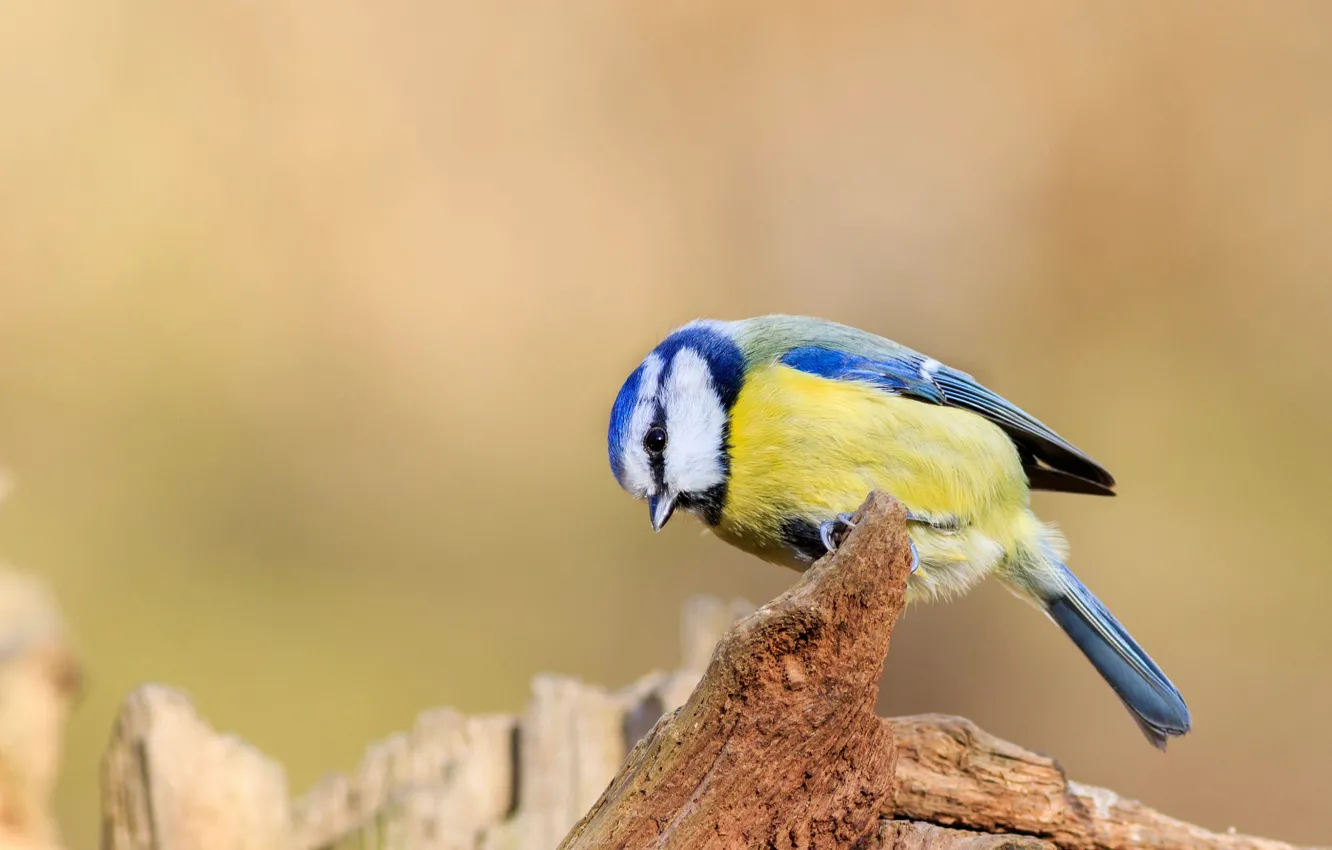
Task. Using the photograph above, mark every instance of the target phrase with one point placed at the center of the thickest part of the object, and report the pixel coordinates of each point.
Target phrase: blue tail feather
(1154, 702)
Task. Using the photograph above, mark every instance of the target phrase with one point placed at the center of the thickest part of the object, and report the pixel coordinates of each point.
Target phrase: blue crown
(725, 363)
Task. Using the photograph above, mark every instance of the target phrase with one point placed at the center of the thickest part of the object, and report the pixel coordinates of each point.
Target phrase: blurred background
(312, 313)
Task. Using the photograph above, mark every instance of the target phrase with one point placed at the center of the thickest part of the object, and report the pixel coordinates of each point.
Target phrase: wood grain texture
(952, 773)
(169, 782)
(450, 778)
(779, 745)
(914, 835)
(451, 782)
(765, 737)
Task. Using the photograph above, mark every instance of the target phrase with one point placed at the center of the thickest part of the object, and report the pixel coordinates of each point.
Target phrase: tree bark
(779, 747)
(952, 773)
(769, 740)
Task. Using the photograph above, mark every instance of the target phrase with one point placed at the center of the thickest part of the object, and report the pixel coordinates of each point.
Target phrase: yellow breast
(807, 447)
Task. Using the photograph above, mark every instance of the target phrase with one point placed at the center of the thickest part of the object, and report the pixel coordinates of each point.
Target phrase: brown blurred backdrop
(305, 304)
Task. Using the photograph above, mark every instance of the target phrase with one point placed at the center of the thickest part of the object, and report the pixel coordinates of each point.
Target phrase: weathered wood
(501, 781)
(914, 835)
(171, 783)
(779, 745)
(452, 782)
(450, 778)
(774, 744)
(952, 773)
(570, 739)
(449, 784)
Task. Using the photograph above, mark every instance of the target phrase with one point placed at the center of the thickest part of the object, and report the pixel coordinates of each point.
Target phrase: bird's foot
(834, 531)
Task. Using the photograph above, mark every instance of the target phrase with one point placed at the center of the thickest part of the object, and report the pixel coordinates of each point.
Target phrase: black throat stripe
(707, 505)
(804, 539)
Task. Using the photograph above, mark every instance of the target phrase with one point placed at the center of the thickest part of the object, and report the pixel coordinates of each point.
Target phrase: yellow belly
(805, 447)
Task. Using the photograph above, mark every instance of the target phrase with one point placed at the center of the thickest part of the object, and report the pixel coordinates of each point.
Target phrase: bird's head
(669, 427)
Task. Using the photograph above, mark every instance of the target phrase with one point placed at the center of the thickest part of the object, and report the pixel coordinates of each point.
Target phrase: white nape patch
(637, 467)
(929, 367)
(695, 421)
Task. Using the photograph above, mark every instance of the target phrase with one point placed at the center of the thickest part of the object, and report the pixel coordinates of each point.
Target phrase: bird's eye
(655, 440)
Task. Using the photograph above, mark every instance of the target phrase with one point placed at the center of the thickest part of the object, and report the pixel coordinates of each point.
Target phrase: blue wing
(1051, 462)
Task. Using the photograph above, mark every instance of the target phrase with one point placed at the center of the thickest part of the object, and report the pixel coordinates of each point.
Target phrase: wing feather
(1051, 462)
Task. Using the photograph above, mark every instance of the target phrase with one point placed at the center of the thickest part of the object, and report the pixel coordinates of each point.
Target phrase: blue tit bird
(772, 430)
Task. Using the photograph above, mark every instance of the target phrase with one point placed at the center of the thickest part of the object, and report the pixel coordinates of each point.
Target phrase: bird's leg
(833, 531)
(942, 523)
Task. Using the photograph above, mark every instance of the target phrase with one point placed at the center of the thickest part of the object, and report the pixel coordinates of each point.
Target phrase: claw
(828, 532)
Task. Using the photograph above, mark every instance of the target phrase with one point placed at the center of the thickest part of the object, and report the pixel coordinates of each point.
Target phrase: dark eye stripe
(657, 460)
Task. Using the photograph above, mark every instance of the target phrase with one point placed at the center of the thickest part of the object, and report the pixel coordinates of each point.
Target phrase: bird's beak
(660, 508)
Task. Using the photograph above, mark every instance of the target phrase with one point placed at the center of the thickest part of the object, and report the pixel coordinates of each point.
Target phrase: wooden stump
(779, 745)
(774, 745)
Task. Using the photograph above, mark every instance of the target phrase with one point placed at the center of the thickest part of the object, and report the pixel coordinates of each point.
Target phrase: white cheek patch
(695, 423)
(637, 469)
